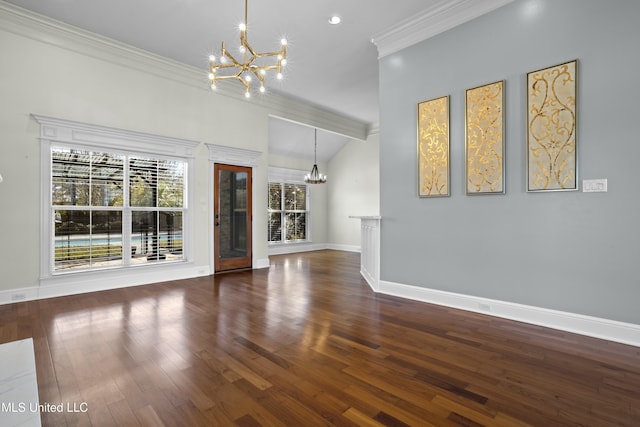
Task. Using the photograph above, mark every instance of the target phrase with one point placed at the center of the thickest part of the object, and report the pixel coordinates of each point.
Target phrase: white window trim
(87, 136)
(288, 176)
(292, 176)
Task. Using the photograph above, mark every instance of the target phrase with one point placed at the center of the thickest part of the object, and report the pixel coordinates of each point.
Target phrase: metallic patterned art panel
(433, 147)
(484, 131)
(551, 128)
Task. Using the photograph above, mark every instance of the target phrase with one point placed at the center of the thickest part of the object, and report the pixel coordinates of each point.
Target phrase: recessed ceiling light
(335, 20)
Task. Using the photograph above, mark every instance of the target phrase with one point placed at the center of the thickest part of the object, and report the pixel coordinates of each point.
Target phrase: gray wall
(570, 251)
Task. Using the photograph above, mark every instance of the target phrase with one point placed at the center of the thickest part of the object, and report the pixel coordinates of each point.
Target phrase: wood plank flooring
(307, 343)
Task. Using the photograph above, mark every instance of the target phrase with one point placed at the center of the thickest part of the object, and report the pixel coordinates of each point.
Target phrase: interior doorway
(232, 217)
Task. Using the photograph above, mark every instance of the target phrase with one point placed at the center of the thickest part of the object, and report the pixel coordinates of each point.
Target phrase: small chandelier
(315, 177)
(249, 66)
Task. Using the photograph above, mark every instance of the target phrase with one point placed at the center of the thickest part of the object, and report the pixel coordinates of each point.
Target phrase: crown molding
(294, 110)
(373, 129)
(43, 29)
(434, 20)
(31, 25)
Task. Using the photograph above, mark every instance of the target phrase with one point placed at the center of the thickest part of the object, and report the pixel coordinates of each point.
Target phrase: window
(86, 198)
(112, 199)
(113, 209)
(288, 212)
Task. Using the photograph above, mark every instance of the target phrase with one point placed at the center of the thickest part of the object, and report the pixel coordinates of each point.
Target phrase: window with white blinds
(114, 209)
(288, 212)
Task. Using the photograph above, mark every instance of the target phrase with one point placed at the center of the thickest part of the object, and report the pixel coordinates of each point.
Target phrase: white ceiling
(335, 67)
(295, 140)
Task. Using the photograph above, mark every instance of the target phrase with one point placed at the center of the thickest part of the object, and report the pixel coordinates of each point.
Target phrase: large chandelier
(251, 65)
(315, 177)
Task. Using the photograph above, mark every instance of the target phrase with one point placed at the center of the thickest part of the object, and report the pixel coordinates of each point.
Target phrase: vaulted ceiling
(334, 67)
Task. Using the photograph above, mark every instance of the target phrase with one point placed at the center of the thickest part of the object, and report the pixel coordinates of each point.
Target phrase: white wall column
(370, 249)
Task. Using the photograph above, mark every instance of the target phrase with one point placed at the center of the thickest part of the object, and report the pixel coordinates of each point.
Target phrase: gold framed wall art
(433, 147)
(484, 139)
(551, 128)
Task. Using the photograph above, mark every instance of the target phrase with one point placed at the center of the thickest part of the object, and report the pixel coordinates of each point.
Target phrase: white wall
(354, 190)
(44, 79)
(54, 70)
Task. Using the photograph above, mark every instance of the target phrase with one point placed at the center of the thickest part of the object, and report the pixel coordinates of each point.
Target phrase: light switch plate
(594, 185)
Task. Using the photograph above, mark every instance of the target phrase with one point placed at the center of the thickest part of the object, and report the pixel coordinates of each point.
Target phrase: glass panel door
(232, 217)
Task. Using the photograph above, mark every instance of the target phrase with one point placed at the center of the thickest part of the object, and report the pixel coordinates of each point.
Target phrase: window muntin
(156, 183)
(156, 235)
(84, 178)
(87, 238)
(287, 211)
(105, 205)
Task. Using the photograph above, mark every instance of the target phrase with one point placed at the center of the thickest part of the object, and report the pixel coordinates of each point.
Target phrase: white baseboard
(308, 247)
(346, 248)
(79, 283)
(11, 296)
(626, 333)
(261, 263)
(371, 281)
(82, 283)
(296, 247)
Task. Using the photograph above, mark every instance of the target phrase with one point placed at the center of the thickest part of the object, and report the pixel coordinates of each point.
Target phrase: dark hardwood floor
(307, 343)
